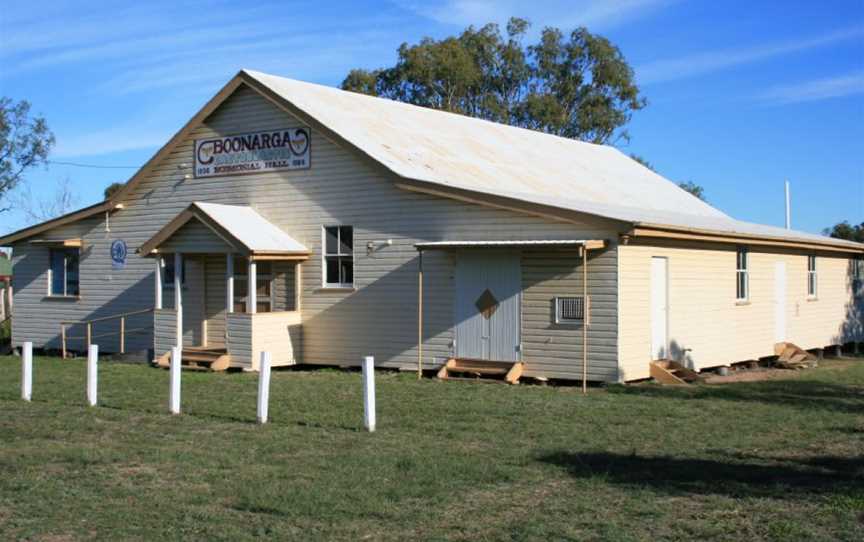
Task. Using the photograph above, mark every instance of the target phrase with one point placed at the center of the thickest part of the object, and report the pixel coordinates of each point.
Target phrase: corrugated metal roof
(241, 226)
(250, 228)
(461, 152)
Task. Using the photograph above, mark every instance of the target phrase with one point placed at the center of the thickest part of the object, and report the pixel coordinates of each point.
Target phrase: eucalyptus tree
(576, 85)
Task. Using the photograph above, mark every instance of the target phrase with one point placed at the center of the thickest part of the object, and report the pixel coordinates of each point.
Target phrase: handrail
(89, 323)
(103, 318)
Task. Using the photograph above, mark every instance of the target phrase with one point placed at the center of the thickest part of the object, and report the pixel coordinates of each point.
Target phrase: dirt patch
(775, 373)
(753, 375)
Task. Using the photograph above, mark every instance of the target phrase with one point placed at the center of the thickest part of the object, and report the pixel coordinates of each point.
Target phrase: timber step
(673, 373)
(214, 359)
(791, 356)
(510, 370)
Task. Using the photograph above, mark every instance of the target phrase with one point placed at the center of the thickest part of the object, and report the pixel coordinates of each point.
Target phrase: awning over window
(211, 227)
(58, 243)
(588, 244)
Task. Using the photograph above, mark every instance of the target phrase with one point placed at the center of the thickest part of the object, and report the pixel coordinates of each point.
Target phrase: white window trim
(745, 271)
(812, 278)
(242, 299)
(324, 254)
(65, 293)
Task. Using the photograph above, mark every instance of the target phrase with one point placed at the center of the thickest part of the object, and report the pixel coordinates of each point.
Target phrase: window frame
(857, 282)
(742, 272)
(338, 255)
(65, 293)
(812, 277)
(241, 276)
(167, 283)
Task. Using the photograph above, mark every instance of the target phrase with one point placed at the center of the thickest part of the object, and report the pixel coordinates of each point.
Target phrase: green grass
(778, 460)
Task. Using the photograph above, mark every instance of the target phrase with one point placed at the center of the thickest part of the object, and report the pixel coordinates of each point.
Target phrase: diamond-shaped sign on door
(486, 304)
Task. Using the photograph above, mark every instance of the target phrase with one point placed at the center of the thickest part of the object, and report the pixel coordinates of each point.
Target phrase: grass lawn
(776, 460)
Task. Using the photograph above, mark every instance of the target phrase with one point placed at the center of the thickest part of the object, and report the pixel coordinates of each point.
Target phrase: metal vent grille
(569, 309)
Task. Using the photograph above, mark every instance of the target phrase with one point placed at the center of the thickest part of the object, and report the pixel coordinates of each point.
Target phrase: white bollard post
(27, 371)
(92, 375)
(174, 396)
(263, 387)
(369, 393)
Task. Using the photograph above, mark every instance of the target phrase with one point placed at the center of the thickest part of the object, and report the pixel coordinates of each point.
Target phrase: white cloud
(712, 61)
(559, 13)
(819, 89)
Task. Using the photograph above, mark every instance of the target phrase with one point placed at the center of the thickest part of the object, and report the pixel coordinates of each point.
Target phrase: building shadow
(798, 393)
(731, 476)
(852, 327)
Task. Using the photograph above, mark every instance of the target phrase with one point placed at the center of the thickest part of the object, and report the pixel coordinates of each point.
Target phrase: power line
(94, 166)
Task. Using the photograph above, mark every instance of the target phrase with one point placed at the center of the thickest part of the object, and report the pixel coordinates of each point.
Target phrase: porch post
(252, 288)
(586, 318)
(178, 296)
(420, 314)
(158, 304)
(229, 282)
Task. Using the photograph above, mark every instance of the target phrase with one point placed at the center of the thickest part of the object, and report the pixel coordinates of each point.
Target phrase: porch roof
(241, 228)
(589, 244)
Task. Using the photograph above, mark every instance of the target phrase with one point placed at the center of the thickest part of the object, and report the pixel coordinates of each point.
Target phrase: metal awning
(58, 243)
(589, 244)
(241, 228)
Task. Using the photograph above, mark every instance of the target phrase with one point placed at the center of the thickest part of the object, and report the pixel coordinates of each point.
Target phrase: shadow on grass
(804, 394)
(734, 476)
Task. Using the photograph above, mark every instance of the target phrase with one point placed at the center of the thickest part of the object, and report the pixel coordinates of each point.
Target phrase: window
(339, 256)
(811, 276)
(168, 272)
(64, 272)
(857, 276)
(264, 280)
(569, 310)
(742, 292)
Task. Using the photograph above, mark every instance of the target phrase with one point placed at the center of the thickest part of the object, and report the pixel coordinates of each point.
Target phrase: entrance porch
(205, 261)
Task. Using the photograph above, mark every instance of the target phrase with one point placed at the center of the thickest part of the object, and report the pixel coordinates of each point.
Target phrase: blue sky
(742, 94)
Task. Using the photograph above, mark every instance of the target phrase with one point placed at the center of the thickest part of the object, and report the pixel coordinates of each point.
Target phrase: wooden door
(659, 308)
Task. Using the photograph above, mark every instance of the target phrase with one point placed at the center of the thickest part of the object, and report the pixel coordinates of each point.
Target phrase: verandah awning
(589, 244)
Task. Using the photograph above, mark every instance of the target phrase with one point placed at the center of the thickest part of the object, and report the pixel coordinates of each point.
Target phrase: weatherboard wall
(379, 316)
(708, 327)
(104, 291)
(554, 350)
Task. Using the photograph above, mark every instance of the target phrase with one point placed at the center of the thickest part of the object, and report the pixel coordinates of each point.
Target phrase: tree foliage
(847, 231)
(578, 86)
(112, 189)
(694, 189)
(25, 142)
(643, 161)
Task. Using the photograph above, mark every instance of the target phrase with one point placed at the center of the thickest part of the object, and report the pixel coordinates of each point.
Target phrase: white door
(659, 308)
(779, 302)
(487, 306)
